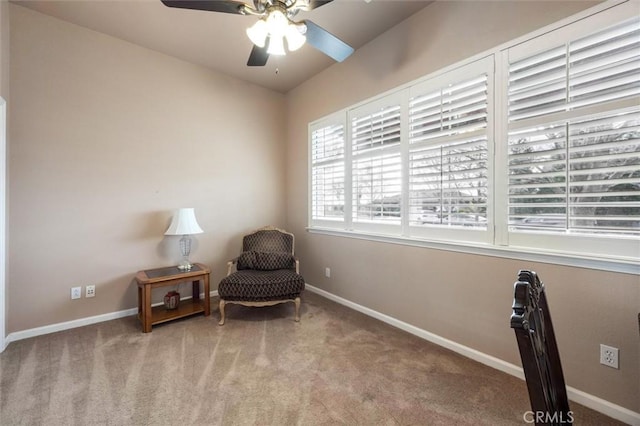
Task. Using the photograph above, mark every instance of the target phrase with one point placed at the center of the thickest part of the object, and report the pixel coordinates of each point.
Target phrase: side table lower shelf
(160, 314)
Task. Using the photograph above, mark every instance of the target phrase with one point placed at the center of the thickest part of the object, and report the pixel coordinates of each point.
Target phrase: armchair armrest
(230, 265)
(297, 266)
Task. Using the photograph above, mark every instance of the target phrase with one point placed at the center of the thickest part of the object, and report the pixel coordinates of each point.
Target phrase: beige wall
(4, 94)
(464, 298)
(4, 49)
(107, 139)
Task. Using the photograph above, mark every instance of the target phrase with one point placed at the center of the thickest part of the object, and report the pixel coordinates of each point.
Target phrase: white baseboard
(52, 328)
(605, 407)
(47, 329)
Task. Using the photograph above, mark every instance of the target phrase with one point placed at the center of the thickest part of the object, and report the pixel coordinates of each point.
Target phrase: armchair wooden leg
(297, 302)
(221, 312)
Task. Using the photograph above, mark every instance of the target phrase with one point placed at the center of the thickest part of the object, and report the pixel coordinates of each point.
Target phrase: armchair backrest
(270, 240)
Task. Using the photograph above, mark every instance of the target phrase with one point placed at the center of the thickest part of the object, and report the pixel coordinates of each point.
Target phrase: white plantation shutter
(464, 106)
(327, 171)
(604, 174)
(328, 194)
(327, 143)
(451, 110)
(601, 67)
(605, 66)
(537, 177)
(379, 129)
(376, 163)
(573, 151)
(538, 84)
(377, 184)
(448, 184)
(448, 150)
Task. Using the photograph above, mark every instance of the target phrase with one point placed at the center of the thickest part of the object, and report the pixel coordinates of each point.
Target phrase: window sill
(559, 258)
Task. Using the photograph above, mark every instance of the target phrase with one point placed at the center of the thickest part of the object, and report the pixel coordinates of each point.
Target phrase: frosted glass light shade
(276, 45)
(258, 33)
(273, 29)
(184, 223)
(295, 39)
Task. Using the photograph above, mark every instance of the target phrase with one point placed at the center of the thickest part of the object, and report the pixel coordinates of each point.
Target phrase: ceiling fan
(274, 26)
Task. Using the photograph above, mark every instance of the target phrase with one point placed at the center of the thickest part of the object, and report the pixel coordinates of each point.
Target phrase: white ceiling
(218, 40)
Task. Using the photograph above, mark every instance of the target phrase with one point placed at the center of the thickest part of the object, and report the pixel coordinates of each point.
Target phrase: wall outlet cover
(609, 356)
(90, 291)
(76, 292)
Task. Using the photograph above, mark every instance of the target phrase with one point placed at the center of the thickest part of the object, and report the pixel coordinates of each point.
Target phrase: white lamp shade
(184, 223)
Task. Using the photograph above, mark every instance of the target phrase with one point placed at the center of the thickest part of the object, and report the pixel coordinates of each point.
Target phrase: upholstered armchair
(266, 272)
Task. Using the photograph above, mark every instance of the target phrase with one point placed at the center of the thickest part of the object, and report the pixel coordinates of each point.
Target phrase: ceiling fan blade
(326, 42)
(258, 56)
(314, 4)
(224, 6)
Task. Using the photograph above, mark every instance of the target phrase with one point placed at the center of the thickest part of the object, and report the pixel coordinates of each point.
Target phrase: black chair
(532, 324)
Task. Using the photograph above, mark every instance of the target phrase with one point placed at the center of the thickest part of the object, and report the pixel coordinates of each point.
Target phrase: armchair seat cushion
(258, 285)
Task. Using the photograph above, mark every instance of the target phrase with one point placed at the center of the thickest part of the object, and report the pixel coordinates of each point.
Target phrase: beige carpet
(336, 366)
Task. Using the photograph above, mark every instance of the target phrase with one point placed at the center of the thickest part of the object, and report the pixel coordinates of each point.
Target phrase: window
(555, 169)
(448, 161)
(574, 139)
(376, 167)
(327, 172)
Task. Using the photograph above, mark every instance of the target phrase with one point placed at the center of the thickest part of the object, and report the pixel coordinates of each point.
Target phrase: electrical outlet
(327, 272)
(609, 356)
(90, 291)
(76, 292)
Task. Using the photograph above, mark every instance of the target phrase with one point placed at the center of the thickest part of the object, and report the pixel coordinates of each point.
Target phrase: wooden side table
(162, 277)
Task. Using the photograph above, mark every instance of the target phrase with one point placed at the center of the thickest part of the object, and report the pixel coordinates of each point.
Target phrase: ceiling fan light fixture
(274, 25)
(295, 37)
(258, 32)
(276, 45)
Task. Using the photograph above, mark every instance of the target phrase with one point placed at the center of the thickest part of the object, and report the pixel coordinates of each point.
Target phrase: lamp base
(185, 265)
(185, 249)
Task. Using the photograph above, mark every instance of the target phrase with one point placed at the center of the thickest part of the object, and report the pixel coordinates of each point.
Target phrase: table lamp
(184, 223)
